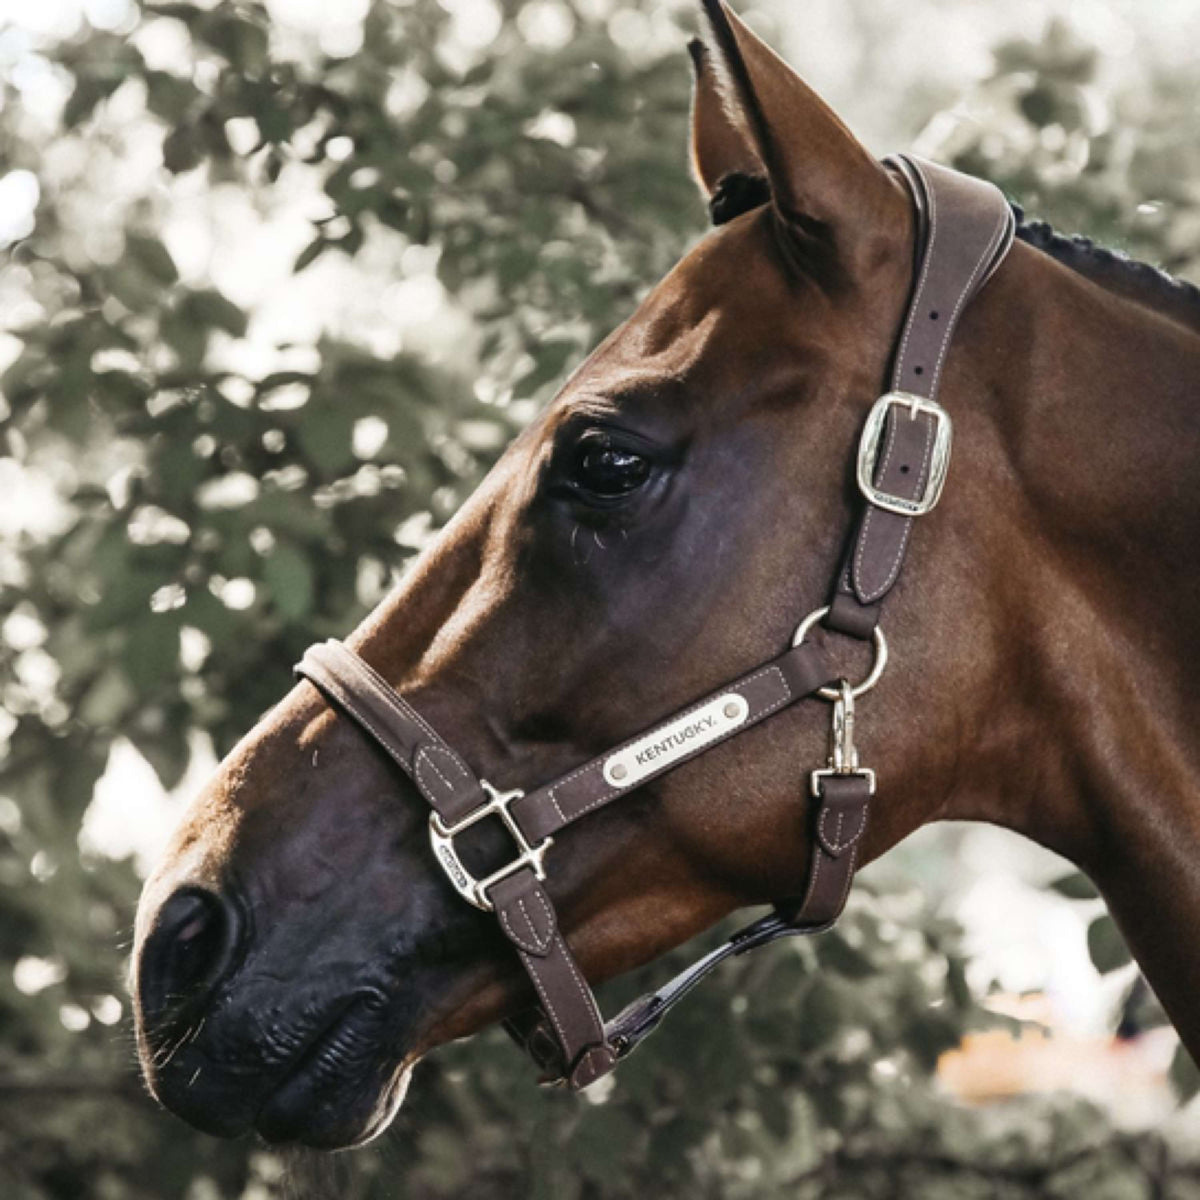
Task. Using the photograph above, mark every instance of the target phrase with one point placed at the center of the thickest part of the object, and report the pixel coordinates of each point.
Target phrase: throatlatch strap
(964, 229)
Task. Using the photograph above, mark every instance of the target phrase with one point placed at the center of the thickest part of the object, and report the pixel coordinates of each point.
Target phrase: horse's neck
(1100, 419)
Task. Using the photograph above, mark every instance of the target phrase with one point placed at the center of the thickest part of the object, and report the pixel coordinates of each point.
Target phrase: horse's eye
(608, 472)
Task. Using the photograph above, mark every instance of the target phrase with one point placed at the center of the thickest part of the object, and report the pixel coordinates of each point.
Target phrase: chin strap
(844, 800)
(640, 1018)
(964, 230)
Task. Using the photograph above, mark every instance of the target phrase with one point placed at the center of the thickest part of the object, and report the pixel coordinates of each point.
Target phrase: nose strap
(354, 686)
(520, 902)
(568, 1038)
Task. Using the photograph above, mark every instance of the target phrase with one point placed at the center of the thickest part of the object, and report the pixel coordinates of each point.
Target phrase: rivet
(730, 710)
(619, 771)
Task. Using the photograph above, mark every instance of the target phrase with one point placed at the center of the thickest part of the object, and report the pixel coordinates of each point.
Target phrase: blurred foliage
(209, 521)
(1119, 165)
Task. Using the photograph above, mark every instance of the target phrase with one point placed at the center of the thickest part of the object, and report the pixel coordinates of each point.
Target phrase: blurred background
(278, 281)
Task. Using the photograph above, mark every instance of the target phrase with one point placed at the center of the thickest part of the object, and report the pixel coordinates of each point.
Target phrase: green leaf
(166, 750)
(152, 652)
(289, 576)
(88, 92)
(1184, 1075)
(168, 96)
(152, 257)
(1106, 945)
(215, 311)
(1075, 886)
(324, 431)
(182, 150)
(310, 254)
(242, 42)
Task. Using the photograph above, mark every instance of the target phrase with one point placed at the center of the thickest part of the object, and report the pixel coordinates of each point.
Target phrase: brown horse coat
(1043, 640)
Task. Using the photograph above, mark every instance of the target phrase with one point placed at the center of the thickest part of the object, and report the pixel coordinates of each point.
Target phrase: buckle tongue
(939, 459)
(472, 890)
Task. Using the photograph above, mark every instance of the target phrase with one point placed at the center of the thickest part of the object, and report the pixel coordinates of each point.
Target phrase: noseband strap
(964, 228)
(578, 1048)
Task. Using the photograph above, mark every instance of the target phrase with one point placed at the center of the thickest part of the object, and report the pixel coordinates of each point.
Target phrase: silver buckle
(939, 460)
(441, 838)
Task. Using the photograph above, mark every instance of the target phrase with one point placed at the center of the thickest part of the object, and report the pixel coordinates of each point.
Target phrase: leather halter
(964, 229)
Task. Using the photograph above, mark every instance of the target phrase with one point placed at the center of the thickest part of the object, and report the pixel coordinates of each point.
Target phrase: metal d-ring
(881, 656)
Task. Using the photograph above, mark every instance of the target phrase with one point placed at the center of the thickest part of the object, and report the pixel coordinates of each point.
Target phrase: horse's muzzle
(230, 1043)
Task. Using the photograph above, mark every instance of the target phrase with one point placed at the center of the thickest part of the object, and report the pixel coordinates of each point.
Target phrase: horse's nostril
(188, 953)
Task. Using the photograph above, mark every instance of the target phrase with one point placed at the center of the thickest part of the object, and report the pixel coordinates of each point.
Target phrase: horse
(662, 527)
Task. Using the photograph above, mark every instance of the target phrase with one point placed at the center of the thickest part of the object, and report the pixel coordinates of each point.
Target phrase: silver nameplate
(679, 740)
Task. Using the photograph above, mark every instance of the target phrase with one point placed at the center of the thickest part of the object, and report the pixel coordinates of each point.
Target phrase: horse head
(662, 527)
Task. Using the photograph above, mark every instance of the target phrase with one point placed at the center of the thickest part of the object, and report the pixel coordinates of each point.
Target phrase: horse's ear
(759, 115)
(721, 146)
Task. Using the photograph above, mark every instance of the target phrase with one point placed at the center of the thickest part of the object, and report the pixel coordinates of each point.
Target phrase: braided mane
(1139, 281)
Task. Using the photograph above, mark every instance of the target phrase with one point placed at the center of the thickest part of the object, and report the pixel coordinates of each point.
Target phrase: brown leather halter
(964, 229)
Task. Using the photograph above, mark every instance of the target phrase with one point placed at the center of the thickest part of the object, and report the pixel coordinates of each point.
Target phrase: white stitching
(586, 1061)
(836, 845)
(610, 792)
(563, 1040)
(512, 933)
(894, 570)
(866, 529)
(346, 701)
(384, 689)
(849, 879)
(917, 303)
(869, 595)
(384, 692)
(966, 294)
(539, 944)
(537, 939)
(560, 943)
(397, 751)
(425, 759)
(585, 994)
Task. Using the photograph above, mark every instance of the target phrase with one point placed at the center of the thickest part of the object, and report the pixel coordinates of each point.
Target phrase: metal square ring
(939, 459)
(472, 890)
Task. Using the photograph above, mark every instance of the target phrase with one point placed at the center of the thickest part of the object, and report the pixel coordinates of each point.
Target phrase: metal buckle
(881, 655)
(843, 753)
(939, 460)
(472, 890)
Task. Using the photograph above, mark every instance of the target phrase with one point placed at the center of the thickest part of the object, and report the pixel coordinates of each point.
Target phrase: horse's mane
(1114, 270)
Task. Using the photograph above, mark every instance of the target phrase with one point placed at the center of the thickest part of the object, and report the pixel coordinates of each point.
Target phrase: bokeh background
(277, 283)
